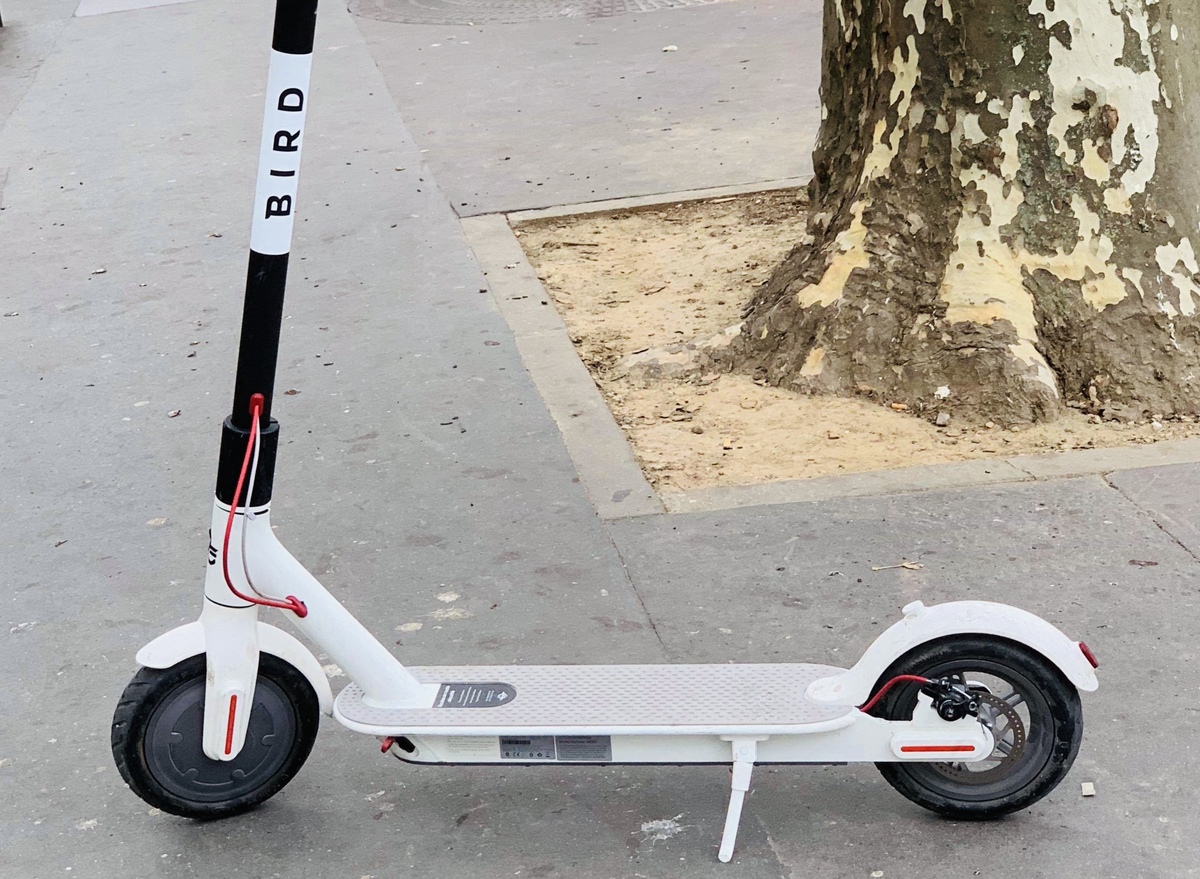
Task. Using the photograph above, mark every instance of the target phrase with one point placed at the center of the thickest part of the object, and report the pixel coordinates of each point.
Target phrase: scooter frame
(398, 704)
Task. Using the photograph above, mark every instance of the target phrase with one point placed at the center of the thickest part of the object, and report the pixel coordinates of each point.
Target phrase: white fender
(922, 624)
(187, 641)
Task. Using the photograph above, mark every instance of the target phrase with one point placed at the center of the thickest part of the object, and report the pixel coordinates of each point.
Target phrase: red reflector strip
(229, 725)
(1089, 655)
(936, 749)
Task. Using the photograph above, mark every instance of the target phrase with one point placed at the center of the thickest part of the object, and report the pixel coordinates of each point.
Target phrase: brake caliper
(951, 701)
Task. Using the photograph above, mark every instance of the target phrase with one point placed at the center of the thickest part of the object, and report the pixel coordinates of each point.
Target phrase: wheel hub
(176, 757)
(1008, 730)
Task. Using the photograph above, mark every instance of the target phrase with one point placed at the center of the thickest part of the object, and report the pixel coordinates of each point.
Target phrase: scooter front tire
(156, 739)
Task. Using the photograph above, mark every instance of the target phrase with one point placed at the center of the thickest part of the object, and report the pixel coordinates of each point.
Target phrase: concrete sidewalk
(561, 112)
(419, 459)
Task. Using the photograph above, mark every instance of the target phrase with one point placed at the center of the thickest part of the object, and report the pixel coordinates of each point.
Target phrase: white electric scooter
(970, 709)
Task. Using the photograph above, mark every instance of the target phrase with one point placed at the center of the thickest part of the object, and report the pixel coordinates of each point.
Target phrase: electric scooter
(970, 709)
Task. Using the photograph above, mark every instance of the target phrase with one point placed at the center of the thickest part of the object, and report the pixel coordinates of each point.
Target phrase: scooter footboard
(865, 739)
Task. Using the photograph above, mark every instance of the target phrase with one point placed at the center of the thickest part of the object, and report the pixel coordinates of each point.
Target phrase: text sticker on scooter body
(474, 695)
(527, 748)
(566, 749)
(584, 749)
(279, 154)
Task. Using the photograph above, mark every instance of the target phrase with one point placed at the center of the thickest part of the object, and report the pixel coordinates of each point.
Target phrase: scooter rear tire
(1052, 723)
(156, 739)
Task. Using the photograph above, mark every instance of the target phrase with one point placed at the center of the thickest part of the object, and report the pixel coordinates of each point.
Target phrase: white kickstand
(745, 752)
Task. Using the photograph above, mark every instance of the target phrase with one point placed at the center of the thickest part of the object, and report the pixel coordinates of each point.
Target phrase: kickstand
(745, 752)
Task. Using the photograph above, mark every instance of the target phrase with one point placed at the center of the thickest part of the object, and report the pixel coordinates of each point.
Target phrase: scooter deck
(750, 699)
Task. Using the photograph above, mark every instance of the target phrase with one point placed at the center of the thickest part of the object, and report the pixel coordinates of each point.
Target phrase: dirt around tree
(628, 283)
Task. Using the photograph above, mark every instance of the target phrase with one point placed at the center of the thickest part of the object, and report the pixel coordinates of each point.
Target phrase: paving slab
(534, 114)
(795, 582)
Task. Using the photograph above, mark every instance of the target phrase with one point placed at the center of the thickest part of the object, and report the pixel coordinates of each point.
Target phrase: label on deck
(472, 747)
(527, 748)
(474, 695)
(565, 749)
(585, 749)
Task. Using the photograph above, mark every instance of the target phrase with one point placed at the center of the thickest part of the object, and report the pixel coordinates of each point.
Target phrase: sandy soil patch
(632, 280)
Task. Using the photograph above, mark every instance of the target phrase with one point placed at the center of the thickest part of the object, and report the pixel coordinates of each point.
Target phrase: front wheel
(157, 729)
(1033, 712)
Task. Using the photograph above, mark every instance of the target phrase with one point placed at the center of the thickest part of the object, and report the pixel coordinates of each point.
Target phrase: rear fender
(922, 624)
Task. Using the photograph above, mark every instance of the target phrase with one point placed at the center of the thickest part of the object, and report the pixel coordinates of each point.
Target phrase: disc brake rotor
(1007, 729)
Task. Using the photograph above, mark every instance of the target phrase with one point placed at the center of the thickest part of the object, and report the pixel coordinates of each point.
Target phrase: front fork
(231, 631)
(230, 638)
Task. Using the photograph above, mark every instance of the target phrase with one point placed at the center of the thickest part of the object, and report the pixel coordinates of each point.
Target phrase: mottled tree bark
(1004, 212)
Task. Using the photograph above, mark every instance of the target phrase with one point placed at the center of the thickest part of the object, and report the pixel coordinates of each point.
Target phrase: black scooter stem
(270, 245)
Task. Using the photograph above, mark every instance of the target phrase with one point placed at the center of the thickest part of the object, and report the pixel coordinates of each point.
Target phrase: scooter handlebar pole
(270, 244)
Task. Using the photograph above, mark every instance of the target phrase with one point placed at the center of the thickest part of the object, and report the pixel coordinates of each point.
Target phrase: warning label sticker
(474, 695)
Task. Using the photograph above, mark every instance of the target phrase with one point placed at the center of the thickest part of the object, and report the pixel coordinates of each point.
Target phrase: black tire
(156, 736)
(1040, 697)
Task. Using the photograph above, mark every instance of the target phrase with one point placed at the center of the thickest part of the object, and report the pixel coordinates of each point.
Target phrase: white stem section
(277, 574)
(279, 153)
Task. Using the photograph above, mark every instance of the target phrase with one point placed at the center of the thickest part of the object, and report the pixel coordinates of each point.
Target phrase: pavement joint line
(1162, 522)
(603, 456)
(1161, 526)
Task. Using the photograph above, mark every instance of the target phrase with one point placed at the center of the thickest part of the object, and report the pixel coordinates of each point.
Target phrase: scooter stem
(270, 246)
(229, 622)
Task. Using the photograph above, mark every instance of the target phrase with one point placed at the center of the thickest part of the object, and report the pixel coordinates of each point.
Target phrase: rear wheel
(156, 739)
(1033, 711)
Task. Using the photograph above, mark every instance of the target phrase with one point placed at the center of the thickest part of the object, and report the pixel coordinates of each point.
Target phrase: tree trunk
(1004, 210)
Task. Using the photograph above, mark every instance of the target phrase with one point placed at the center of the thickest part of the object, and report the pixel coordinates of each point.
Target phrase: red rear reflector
(229, 725)
(936, 749)
(1089, 655)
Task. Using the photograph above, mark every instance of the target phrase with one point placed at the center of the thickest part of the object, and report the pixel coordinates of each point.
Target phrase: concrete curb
(935, 477)
(823, 488)
(653, 201)
(605, 461)
(603, 456)
(88, 8)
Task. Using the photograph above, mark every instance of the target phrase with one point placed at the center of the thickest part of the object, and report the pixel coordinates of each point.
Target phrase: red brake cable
(883, 691)
(292, 603)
